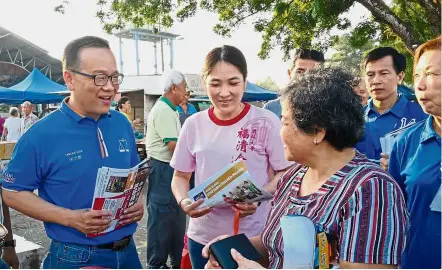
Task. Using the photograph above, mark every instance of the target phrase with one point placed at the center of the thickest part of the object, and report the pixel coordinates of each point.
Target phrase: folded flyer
(117, 190)
(389, 139)
(231, 185)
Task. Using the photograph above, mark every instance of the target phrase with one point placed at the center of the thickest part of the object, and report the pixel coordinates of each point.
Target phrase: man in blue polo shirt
(60, 156)
(386, 111)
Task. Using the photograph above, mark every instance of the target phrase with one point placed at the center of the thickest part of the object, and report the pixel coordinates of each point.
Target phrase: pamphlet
(389, 139)
(436, 203)
(233, 184)
(117, 190)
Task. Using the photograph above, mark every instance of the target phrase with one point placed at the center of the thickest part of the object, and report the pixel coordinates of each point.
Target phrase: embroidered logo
(124, 147)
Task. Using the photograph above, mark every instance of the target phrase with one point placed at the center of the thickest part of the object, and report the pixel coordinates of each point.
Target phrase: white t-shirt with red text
(207, 144)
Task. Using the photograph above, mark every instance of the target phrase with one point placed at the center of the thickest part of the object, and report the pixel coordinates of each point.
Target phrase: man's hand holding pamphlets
(117, 190)
(231, 185)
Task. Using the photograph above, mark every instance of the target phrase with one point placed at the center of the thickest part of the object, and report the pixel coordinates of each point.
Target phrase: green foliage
(269, 84)
(287, 24)
(349, 56)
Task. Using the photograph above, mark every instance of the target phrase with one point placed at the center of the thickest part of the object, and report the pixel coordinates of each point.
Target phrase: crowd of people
(316, 149)
(13, 127)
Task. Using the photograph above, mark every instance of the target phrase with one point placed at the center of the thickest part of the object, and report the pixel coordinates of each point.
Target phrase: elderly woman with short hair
(11, 131)
(416, 159)
(356, 203)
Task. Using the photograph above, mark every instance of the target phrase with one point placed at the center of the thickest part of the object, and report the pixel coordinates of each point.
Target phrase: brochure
(117, 190)
(233, 184)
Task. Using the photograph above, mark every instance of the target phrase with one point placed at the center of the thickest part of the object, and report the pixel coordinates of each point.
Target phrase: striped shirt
(360, 206)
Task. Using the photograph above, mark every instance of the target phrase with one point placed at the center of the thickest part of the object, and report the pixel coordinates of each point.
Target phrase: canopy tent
(36, 88)
(257, 93)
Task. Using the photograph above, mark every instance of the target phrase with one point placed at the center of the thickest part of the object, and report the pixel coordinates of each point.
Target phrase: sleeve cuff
(166, 140)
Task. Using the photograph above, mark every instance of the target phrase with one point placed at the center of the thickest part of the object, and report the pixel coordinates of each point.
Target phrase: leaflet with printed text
(389, 139)
(117, 190)
(231, 185)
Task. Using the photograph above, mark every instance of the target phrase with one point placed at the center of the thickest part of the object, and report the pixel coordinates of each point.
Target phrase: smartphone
(221, 250)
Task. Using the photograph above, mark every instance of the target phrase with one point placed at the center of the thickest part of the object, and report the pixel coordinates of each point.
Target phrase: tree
(348, 56)
(287, 24)
(269, 84)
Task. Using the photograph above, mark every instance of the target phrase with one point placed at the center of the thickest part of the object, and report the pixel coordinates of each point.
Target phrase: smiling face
(225, 87)
(427, 82)
(381, 78)
(88, 98)
(297, 143)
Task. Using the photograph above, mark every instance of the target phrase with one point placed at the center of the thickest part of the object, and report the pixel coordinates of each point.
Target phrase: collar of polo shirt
(73, 114)
(397, 109)
(168, 102)
(428, 132)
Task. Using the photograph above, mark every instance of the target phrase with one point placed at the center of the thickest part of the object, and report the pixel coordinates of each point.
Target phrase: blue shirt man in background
(60, 156)
(386, 111)
(185, 109)
(303, 60)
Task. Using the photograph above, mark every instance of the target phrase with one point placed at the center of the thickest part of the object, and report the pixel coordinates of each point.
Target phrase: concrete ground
(33, 231)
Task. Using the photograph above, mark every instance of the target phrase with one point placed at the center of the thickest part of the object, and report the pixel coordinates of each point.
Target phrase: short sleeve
(165, 123)
(395, 164)
(183, 160)
(275, 148)
(135, 158)
(373, 224)
(23, 172)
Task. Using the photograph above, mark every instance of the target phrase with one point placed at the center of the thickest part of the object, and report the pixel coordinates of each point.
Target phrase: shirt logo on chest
(124, 147)
(253, 137)
(404, 122)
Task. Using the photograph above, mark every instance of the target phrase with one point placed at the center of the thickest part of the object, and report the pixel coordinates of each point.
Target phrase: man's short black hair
(399, 61)
(71, 59)
(308, 54)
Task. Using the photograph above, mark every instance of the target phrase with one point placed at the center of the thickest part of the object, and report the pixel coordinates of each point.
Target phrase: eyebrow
(219, 80)
(100, 71)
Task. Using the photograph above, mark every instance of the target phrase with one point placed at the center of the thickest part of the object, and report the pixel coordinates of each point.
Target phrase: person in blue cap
(386, 111)
(415, 163)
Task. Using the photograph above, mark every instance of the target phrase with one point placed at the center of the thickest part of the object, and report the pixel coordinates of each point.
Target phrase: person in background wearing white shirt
(28, 118)
(11, 130)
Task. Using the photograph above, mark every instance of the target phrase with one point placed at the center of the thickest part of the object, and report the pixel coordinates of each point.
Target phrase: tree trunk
(383, 14)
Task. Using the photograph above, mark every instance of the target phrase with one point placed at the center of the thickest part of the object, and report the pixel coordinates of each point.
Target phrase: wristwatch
(10, 243)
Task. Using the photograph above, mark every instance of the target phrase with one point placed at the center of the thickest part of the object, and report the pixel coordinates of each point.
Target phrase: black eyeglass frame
(94, 77)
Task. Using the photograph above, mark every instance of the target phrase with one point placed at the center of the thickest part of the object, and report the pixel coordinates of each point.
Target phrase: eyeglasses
(102, 79)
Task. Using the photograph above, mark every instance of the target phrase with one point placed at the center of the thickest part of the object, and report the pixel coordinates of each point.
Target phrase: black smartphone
(221, 250)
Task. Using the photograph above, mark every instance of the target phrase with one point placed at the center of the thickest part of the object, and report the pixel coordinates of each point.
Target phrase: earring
(316, 142)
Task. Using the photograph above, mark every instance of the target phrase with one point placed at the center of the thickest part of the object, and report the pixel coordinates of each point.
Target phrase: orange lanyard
(236, 222)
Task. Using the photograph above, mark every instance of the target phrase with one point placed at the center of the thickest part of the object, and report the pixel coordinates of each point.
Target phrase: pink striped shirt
(360, 205)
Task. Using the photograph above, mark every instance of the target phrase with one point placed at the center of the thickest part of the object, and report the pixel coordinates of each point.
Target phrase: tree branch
(249, 15)
(383, 14)
(433, 10)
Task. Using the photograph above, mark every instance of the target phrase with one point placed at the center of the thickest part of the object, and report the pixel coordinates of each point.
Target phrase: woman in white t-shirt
(212, 139)
(12, 126)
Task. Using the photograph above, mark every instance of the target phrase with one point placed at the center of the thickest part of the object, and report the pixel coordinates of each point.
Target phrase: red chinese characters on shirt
(253, 137)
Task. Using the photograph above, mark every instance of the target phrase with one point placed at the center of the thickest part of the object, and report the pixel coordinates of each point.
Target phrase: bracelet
(181, 202)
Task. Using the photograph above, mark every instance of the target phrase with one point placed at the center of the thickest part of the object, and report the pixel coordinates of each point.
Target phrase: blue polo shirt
(415, 162)
(275, 107)
(60, 156)
(190, 109)
(404, 112)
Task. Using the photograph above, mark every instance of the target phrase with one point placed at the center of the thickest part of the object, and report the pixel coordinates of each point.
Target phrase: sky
(36, 21)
